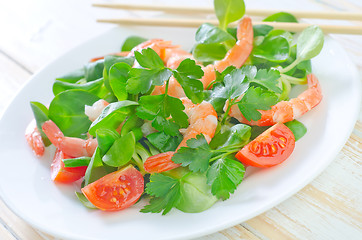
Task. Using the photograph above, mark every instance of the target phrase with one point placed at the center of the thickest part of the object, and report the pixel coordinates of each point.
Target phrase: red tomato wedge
(117, 190)
(62, 174)
(160, 163)
(270, 148)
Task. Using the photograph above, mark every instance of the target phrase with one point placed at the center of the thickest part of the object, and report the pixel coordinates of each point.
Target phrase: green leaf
(261, 29)
(274, 48)
(228, 11)
(196, 155)
(92, 87)
(106, 138)
(67, 111)
(235, 84)
(141, 80)
(195, 194)
(298, 129)
(148, 58)
(76, 162)
(152, 73)
(281, 17)
(112, 116)
(158, 109)
(256, 99)
(187, 74)
(41, 116)
(166, 191)
(121, 151)
(84, 200)
(109, 61)
(164, 142)
(237, 136)
(268, 79)
(207, 52)
(118, 76)
(73, 76)
(132, 42)
(224, 176)
(131, 123)
(208, 33)
(160, 185)
(310, 43)
(162, 124)
(93, 70)
(95, 169)
(257, 130)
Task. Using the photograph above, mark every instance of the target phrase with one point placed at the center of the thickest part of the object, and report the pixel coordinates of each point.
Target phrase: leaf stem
(210, 84)
(290, 67)
(231, 102)
(294, 80)
(139, 163)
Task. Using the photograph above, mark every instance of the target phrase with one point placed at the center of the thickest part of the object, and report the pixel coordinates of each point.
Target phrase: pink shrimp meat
(285, 111)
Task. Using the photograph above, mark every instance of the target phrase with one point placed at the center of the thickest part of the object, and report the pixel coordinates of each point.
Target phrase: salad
(177, 127)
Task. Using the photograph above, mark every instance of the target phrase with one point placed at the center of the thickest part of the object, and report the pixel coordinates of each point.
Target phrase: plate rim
(287, 194)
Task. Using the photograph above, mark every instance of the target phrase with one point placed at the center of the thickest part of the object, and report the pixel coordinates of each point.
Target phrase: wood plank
(12, 77)
(324, 209)
(17, 226)
(5, 234)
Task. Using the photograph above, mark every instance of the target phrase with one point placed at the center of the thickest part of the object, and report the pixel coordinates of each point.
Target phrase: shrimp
(34, 139)
(74, 147)
(95, 110)
(158, 45)
(285, 111)
(173, 59)
(236, 57)
(203, 120)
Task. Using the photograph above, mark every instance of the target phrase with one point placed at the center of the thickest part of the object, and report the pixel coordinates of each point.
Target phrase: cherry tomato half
(160, 163)
(117, 190)
(62, 174)
(269, 149)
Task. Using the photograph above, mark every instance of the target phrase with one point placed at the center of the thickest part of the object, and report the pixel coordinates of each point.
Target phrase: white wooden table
(32, 33)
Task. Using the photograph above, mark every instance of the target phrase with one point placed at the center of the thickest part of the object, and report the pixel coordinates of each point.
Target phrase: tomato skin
(117, 190)
(62, 174)
(160, 163)
(270, 148)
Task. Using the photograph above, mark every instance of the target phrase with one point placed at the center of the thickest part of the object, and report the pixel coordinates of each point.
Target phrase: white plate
(26, 187)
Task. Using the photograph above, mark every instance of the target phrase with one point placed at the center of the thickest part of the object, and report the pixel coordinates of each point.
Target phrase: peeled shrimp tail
(286, 111)
(34, 139)
(236, 56)
(74, 147)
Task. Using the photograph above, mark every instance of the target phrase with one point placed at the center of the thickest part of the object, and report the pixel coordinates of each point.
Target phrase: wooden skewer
(188, 22)
(357, 16)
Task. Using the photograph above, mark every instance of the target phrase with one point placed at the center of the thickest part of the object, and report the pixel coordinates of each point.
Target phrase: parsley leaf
(229, 84)
(256, 99)
(166, 191)
(158, 109)
(235, 84)
(148, 58)
(196, 155)
(268, 79)
(153, 72)
(164, 142)
(187, 74)
(224, 176)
